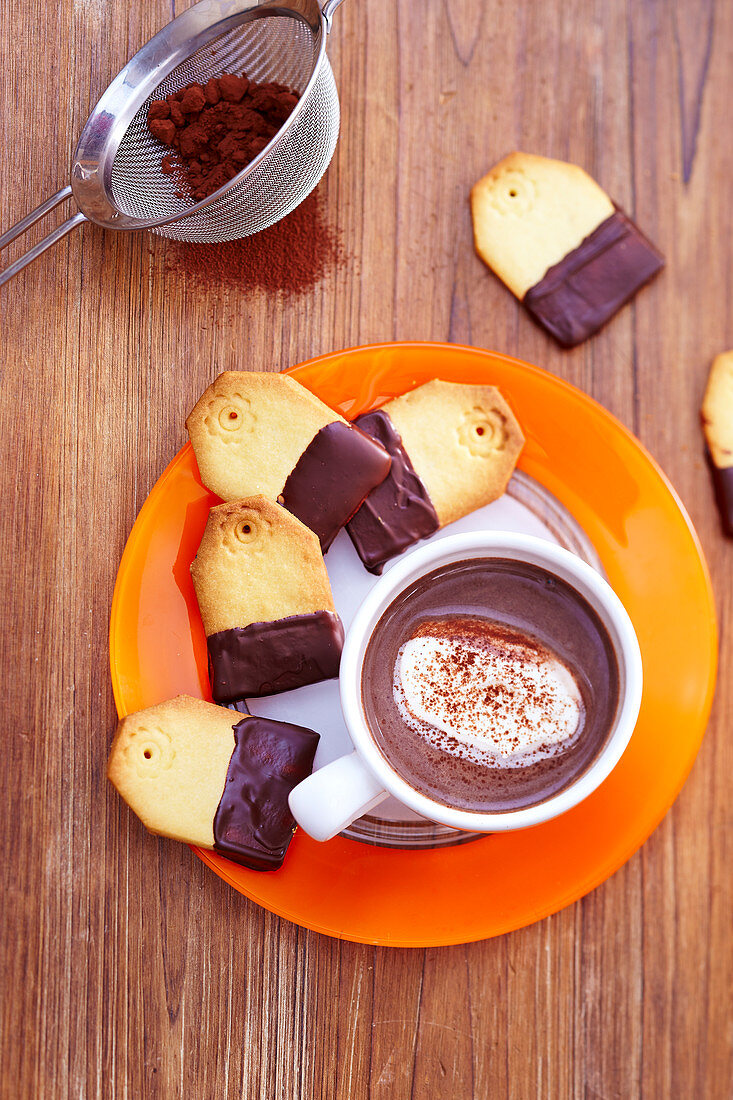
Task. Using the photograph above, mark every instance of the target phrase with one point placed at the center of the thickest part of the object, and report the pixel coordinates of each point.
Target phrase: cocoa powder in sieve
(217, 128)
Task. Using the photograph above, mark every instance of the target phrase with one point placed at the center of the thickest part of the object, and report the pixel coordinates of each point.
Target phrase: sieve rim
(91, 172)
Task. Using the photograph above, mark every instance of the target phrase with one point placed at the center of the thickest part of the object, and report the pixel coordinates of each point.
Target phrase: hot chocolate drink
(490, 685)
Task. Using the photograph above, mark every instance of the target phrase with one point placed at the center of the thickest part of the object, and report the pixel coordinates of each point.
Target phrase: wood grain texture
(127, 970)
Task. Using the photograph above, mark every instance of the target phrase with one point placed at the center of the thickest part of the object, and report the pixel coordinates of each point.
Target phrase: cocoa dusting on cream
(482, 691)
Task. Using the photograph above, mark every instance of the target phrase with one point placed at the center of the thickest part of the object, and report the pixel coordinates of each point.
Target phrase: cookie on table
(453, 446)
(559, 243)
(265, 601)
(717, 420)
(259, 432)
(192, 772)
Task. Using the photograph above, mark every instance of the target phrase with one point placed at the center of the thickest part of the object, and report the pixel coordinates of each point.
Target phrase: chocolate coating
(397, 512)
(723, 485)
(331, 478)
(589, 285)
(266, 658)
(253, 824)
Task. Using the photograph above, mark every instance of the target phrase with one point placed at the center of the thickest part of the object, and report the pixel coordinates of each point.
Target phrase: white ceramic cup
(330, 799)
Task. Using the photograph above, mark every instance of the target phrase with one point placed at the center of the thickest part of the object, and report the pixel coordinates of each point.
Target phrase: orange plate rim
(335, 377)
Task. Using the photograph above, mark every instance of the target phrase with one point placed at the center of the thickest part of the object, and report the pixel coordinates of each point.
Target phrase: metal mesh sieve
(279, 48)
(116, 176)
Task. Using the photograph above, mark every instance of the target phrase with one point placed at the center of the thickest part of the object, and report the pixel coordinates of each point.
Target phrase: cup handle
(334, 796)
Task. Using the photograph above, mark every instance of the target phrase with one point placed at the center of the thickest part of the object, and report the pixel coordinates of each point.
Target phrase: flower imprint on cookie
(229, 417)
(512, 192)
(245, 529)
(150, 751)
(483, 431)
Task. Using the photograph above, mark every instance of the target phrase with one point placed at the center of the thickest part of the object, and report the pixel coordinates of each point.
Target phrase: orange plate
(654, 561)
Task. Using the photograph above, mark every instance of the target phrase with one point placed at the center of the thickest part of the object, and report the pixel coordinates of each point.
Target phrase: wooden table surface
(127, 968)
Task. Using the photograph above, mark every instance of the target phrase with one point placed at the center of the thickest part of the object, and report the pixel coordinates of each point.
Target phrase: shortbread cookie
(556, 239)
(265, 601)
(717, 419)
(265, 433)
(453, 449)
(191, 772)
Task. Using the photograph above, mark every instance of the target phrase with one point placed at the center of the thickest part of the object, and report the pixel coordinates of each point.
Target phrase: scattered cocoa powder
(217, 128)
(291, 256)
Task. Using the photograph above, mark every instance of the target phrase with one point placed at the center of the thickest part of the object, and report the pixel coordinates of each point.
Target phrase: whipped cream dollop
(487, 693)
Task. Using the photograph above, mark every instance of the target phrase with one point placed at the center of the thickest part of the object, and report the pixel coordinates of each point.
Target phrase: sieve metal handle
(327, 12)
(47, 242)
